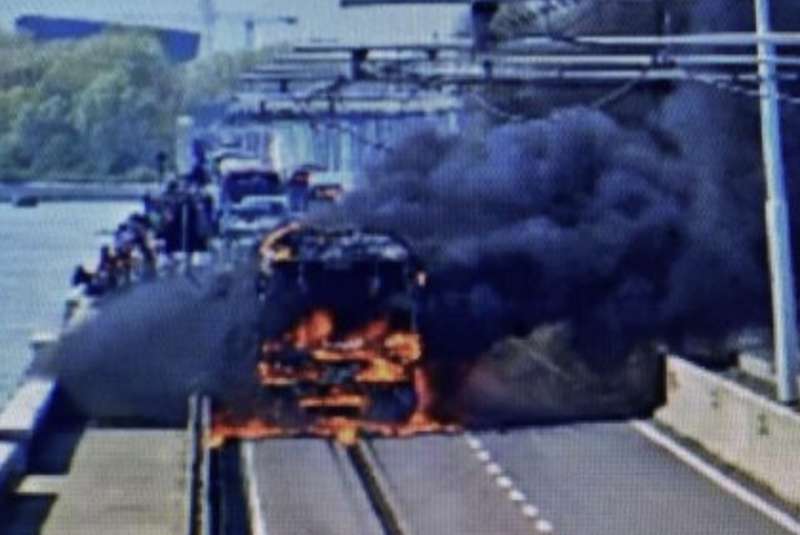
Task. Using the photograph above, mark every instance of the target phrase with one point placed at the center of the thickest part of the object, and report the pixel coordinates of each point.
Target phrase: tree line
(99, 108)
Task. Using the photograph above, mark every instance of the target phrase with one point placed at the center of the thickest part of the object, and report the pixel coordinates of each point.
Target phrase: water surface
(39, 248)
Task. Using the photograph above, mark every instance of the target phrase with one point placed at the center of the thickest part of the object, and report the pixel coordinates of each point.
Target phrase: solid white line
(258, 523)
(717, 477)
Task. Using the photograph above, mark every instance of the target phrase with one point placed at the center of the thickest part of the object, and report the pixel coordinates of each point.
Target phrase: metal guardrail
(198, 515)
(378, 490)
(204, 483)
(192, 440)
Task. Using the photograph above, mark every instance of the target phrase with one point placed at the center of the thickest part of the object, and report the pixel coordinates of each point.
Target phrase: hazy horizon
(318, 18)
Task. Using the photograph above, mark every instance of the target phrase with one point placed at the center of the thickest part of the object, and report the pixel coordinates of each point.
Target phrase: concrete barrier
(25, 412)
(757, 366)
(42, 341)
(12, 465)
(754, 434)
(42, 345)
(760, 366)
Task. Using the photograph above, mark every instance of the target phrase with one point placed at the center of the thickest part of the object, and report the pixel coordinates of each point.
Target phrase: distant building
(179, 45)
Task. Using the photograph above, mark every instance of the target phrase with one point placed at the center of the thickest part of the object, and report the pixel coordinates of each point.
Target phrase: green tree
(214, 78)
(102, 106)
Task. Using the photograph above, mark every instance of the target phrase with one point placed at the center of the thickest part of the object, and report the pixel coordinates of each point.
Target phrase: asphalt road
(599, 479)
(441, 488)
(308, 487)
(607, 479)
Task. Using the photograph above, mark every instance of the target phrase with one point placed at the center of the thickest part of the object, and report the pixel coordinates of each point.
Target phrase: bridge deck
(607, 479)
(120, 481)
(602, 478)
(307, 487)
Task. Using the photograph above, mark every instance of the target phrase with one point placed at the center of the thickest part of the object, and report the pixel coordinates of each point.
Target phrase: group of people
(180, 219)
(183, 218)
(132, 255)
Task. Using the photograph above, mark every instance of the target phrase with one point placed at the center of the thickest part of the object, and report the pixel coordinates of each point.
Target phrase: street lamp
(784, 312)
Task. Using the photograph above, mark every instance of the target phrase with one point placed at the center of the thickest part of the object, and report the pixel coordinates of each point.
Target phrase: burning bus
(341, 352)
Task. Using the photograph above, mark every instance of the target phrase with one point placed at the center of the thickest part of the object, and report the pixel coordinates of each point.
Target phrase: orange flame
(382, 370)
(313, 332)
(335, 399)
(225, 426)
(407, 346)
(270, 374)
(384, 356)
(372, 332)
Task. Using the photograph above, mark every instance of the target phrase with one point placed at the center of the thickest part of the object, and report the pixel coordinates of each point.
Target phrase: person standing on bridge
(298, 190)
(106, 272)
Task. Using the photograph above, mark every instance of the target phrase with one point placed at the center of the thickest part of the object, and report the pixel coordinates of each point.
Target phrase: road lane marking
(473, 442)
(516, 496)
(493, 469)
(504, 482)
(713, 474)
(528, 510)
(257, 521)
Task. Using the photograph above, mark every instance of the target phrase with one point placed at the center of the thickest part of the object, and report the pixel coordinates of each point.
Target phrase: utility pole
(208, 15)
(249, 34)
(784, 312)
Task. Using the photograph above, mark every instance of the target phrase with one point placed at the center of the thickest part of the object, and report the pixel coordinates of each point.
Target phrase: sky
(318, 18)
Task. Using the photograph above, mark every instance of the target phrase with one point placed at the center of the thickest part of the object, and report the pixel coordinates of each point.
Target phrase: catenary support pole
(778, 235)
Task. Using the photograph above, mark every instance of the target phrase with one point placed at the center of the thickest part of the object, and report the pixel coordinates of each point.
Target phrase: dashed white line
(527, 509)
(717, 477)
(474, 443)
(516, 496)
(493, 469)
(530, 511)
(504, 482)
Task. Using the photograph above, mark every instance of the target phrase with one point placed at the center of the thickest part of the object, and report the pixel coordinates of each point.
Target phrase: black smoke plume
(611, 230)
(569, 218)
(556, 248)
(150, 348)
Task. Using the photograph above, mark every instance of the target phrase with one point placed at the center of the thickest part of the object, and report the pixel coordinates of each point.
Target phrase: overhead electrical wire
(330, 124)
(660, 59)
